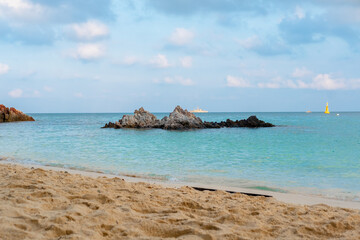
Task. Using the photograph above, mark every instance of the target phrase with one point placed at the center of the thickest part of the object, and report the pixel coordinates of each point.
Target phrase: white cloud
(48, 89)
(42, 22)
(269, 46)
(16, 93)
(278, 82)
(160, 61)
(251, 42)
(21, 10)
(181, 36)
(4, 68)
(185, 81)
(269, 85)
(17, 4)
(319, 82)
(325, 82)
(176, 80)
(299, 12)
(237, 82)
(89, 51)
(130, 60)
(186, 62)
(157, 61)
(301, 72)
(89, 30)
(78, 95)
(36, 93)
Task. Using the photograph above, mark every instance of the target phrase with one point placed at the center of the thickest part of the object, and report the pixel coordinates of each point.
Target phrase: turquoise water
(312, 153)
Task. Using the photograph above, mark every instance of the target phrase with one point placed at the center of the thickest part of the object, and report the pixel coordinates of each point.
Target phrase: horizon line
(352, 111)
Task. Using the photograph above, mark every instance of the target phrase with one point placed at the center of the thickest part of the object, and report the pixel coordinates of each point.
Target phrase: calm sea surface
(312, 153)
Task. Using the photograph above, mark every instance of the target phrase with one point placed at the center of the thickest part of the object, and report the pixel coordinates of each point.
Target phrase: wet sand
(47, 204)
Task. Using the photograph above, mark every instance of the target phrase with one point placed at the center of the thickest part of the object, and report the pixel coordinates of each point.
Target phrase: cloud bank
(39, 22)
(318, 82)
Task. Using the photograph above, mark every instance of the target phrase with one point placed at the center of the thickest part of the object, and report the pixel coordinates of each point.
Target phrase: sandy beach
(47, 204)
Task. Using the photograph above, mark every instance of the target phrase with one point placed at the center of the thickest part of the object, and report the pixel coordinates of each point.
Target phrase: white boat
(198, 110)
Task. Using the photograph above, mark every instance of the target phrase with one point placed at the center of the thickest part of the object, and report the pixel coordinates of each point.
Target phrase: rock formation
(180, 119)
(12, 115)
(251, 122)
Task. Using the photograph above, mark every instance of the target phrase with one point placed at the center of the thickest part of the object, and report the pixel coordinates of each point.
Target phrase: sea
(309, 153)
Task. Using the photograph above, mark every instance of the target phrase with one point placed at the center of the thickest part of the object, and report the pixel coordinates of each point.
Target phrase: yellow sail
(327, 108)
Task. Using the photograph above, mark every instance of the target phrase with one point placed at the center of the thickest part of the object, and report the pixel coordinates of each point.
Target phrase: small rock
(13, 115)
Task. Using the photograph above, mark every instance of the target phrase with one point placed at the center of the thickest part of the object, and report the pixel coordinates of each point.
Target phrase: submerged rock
(251, 122)
(12, 115)
(180, 119)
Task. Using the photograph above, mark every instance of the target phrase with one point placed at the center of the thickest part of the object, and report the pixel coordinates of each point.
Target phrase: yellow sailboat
(327, 108)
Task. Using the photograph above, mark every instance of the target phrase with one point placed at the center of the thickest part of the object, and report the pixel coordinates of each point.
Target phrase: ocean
(310, 153)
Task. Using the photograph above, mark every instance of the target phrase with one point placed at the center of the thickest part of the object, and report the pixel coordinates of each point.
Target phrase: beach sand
(46, 204)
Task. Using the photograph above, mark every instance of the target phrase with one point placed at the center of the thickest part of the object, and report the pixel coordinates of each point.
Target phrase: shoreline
(39, 202)
(290, 198)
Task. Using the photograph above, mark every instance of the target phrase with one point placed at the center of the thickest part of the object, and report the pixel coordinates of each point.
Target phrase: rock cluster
(12, 115)
(251, 122)
(180, 119)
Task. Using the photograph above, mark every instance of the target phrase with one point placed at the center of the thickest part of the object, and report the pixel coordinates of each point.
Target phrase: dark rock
(212, 125)
(12, 115)
(254, 122)
(180, 119)
(251, 122)
(140, 119)
(112, 125)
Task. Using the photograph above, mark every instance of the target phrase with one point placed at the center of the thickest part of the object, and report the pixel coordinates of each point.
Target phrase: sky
(220, 55)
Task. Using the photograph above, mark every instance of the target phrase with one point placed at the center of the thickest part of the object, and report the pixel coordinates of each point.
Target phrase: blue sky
(229, 55)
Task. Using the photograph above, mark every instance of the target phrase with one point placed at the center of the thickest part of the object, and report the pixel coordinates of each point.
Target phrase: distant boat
(198, 110)
(327, 108)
